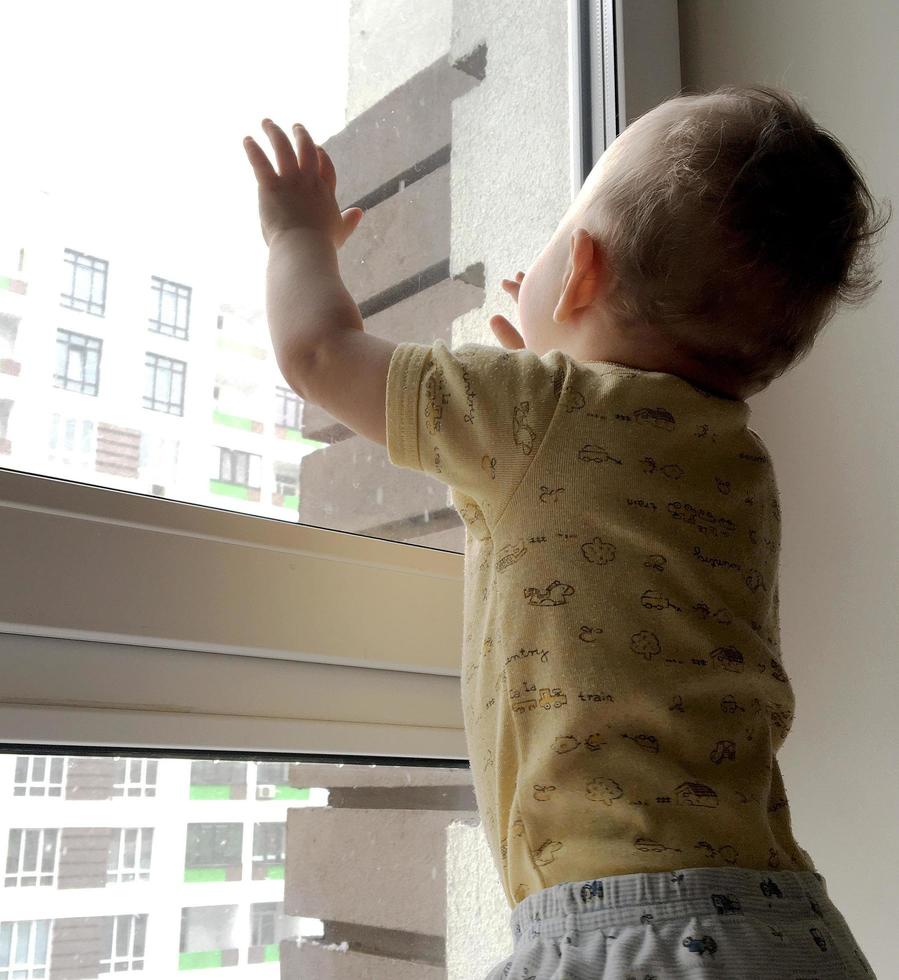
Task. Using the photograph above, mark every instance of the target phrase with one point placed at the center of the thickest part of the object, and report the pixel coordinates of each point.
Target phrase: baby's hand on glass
(505, 333)
(303, 195)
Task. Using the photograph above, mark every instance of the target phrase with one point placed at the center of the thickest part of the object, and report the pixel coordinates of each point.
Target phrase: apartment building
(114, 371)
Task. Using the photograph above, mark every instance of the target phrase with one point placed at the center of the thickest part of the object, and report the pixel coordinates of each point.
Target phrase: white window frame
(111, 963)
(30, 969)
(45, 784)
(119, 871)
(140, 787)
(38, 873)
(305, 639)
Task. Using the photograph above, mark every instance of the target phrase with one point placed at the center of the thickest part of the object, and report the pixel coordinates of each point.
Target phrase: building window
(208, 936)
(9, 328)
(71, 441)
(264, 923)
(130, 851)
(171, 303)
(268, 842)
(214, 780)
(85, 283)
(287, 479)
(134, 777)
(77, 362)
(288, 408)
(213, 852)
(273, 783)
(269, 850)
(23, 949)
(124, 940)
(164, 385)
(31, 858)
(273, 773)
(39, 775)
(239, 467)
(268, 926)
(6, 405)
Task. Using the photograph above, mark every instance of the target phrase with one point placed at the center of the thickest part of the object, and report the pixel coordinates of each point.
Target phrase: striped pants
(727, 923)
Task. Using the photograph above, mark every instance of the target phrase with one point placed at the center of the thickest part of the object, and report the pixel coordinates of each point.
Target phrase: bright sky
(131, 114)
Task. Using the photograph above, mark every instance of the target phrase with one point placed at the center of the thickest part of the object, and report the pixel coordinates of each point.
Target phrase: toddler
(623, 690)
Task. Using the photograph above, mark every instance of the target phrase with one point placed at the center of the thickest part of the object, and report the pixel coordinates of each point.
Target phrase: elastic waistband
(625, 899)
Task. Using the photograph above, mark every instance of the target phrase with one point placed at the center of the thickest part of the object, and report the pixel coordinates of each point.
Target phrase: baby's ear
(584, 277)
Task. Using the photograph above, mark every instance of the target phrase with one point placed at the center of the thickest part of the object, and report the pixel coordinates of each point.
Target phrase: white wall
(831, 427)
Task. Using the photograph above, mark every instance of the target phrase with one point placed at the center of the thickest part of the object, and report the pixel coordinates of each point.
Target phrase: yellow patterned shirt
(622, 687)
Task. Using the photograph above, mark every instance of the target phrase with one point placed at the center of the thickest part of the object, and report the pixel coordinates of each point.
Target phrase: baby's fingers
(505, 333)
(513, 286)
(326, 169)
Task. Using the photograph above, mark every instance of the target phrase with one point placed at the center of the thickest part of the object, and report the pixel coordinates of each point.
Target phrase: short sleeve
(473, 417)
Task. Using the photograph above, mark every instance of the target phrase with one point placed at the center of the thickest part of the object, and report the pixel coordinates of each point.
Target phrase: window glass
(130, 852)
(123, 938)
(174, 881)
(23, 949)
(135, 266)
(213, 852)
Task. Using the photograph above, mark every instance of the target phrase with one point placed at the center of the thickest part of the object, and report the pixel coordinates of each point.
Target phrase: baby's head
(713, 239)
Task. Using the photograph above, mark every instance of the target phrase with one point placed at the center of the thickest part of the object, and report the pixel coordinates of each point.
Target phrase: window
(71, 441)
(31, 858)
(287, 479)
(239, 467)
(268, 926)
(124, 938)
(6, 405)
(85, 283)
(23, 950)
(164, 389)
(422, 88)
(213, 852)
(218, 780)
(9, 326)
(273, 773)
(194, 691)
(263, 923)
(208, 936)
(288, 408)
(129, 854)
(134, 777)
(268, 842)
(39, 775)
(77, 362)
(376, 829)
(171, 306)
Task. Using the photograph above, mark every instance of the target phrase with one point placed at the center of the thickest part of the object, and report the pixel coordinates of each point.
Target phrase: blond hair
(737, 231)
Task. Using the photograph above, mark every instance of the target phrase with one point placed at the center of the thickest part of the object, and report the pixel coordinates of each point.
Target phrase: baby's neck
(647, 349)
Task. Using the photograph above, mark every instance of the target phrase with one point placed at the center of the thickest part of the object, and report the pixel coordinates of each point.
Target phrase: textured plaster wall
(510, 159)
(477, 914)
(389, 41)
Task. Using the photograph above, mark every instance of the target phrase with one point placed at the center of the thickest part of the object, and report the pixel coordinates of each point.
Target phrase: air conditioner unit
(266, 791)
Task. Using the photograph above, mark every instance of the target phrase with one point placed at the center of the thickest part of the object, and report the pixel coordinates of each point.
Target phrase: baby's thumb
(506, 334)
(350, 221)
